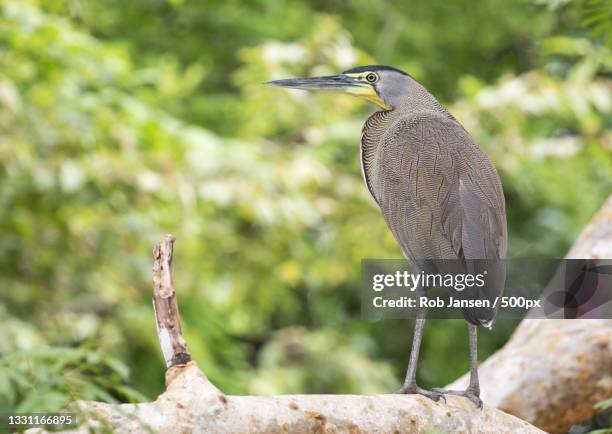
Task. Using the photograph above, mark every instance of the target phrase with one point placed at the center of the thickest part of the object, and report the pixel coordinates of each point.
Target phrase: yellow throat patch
(368, 92)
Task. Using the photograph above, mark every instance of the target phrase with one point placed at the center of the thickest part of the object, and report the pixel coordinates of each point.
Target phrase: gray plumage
(439, 193)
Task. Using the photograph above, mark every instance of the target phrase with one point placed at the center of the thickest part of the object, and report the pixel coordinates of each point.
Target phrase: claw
(416, 390)
(468, 393)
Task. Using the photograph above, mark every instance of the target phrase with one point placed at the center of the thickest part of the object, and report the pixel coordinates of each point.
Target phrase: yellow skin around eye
(368, 92)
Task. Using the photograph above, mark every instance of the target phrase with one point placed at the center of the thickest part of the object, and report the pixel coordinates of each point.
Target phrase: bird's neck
(418, 99)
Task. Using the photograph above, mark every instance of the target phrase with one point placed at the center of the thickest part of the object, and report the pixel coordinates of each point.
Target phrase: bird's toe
(468, 393)
(416, 390)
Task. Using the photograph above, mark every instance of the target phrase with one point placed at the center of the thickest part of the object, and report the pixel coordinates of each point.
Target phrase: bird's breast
(372, 134)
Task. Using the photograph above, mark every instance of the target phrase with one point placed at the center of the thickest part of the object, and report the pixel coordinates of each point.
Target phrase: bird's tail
(491, 292)
(480, 316)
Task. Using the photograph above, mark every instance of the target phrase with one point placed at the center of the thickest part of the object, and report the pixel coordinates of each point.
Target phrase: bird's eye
(371, 77)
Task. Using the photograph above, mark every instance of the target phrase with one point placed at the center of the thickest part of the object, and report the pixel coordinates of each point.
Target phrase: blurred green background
(123, 121)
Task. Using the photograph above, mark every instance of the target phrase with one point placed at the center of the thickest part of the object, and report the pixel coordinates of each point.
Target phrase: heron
(439, 193)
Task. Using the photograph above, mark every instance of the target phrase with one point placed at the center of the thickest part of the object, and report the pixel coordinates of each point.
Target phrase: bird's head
(383, 85)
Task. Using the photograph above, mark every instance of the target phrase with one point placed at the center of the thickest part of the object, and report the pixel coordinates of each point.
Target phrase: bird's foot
(470, 394)
(413, 389)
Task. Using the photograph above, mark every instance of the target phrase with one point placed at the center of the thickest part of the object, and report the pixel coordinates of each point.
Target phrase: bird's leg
(473, 390)
(410, 386)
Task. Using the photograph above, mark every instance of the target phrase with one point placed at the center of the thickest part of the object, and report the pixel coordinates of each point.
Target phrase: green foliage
(48, 378)
(436, 41)
(604, 405)
(603, 418)
(595, 15)
(123, 121)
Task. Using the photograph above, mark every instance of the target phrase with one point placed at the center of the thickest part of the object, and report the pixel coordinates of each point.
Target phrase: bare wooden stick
(167, 317)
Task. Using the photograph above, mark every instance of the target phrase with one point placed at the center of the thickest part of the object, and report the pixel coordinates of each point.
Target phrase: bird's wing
(439, 192)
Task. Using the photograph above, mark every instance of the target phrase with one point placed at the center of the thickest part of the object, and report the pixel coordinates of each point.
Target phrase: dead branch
(191, 404)
(173, 346)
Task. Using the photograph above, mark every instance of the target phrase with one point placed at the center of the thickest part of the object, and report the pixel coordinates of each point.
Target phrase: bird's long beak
(338, 83)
